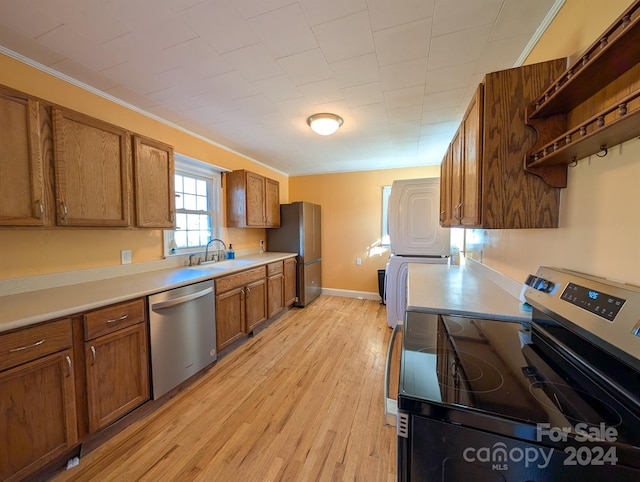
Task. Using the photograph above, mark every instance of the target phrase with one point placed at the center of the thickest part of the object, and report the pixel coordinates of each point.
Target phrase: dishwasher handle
(180, 300)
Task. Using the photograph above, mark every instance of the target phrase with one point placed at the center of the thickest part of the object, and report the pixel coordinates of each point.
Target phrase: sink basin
(233, 263)
(227, 264)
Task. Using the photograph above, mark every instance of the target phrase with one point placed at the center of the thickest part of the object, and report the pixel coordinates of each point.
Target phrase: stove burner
(575, 405)
(466, 372)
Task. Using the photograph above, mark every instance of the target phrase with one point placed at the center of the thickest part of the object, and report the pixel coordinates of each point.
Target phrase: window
(385, 240)
(198, 205)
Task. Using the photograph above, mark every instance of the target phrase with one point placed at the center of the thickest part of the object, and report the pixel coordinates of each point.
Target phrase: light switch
(358, 261)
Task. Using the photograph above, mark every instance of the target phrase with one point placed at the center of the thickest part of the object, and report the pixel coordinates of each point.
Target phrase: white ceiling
(246, 74)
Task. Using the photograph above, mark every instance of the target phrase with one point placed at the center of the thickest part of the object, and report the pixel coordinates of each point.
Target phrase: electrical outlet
(359, 261)
(125, 256)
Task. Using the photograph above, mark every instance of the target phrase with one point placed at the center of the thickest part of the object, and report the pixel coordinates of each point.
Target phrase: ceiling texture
(246, 74)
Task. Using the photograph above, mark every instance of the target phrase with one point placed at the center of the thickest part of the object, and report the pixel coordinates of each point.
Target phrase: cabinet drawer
(275, 268)
(31, 343)
(112, 318)
(236, 280)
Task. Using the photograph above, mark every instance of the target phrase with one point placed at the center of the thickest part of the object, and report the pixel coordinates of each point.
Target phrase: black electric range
(557, 398)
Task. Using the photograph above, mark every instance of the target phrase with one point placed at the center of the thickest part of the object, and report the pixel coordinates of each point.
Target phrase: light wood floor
(301, 401)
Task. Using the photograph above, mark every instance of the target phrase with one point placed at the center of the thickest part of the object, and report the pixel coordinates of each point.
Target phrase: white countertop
(23, 309)
(453, 289)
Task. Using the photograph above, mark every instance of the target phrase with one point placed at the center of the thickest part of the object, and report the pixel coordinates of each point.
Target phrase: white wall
(599, 231)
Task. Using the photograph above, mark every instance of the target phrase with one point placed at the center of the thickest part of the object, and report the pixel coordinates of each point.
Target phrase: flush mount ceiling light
(324, 124)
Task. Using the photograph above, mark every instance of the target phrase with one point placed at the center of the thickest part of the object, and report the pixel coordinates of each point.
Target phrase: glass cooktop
(490, 368)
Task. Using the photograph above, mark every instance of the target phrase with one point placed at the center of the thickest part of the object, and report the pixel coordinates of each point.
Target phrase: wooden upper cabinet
(445, 189)
(92, 169)
(253, 201)
(472, 162)
(460, 185)
(22, 192)
(272, 203)
(488, 184)
(154, 172)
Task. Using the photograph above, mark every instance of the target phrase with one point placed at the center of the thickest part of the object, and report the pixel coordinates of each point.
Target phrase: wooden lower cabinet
(255, 304)
(117, 366)
(229, 317)
(290, 278)
(38, 414)
(241, 304)
(117, 361)
(275, 288)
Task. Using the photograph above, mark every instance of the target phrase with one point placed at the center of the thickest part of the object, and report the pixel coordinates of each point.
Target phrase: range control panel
(594, 301)
(600, 309)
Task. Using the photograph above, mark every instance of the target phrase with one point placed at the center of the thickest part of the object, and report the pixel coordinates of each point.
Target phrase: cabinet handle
(93, 354)
(65, 211)
(37, 343)
(458, 211)
(242, 293)
(68, 365)
(123, 317)
(40, 209)
(248, 291)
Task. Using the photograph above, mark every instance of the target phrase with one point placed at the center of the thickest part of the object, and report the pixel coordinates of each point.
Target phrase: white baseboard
(361, 295)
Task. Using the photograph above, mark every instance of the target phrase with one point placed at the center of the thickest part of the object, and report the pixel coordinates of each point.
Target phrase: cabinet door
(256, 304)
(472, 162)
(22, 201)
(272, 203)
(275, 294)
(445, 189)
(255, 197)
(38, 407)
(92, 168)
(456, 179)
(229, 317)
(289, 281)
(117, 374)
(153, 168)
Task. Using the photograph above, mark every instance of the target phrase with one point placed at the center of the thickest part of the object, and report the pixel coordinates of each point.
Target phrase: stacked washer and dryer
(416, 237)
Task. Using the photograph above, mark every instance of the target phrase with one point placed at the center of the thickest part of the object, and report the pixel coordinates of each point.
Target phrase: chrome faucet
(206, 249)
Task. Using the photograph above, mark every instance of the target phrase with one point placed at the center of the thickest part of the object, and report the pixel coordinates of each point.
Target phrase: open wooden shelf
(614, 53)
(593, 105)
(592, 136)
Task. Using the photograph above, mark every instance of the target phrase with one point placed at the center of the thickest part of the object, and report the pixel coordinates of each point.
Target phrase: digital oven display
(596, 302)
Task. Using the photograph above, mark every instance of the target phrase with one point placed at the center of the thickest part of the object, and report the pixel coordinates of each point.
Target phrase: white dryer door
(414, 218)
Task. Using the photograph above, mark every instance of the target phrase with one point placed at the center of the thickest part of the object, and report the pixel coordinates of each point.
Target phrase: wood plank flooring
(301, 401)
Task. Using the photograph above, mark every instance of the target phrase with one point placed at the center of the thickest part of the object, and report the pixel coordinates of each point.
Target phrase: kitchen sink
(233, 263)
(225, 265)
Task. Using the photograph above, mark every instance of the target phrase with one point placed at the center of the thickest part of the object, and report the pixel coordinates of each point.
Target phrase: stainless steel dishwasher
(183, 334)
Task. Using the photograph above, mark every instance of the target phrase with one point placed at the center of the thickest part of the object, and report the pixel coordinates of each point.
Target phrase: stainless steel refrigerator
(299, 232)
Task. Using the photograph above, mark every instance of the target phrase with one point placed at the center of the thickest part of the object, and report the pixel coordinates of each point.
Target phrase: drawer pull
(93, 353)
(69, 365)
(37, 343)
(123, 317)
(40, 209)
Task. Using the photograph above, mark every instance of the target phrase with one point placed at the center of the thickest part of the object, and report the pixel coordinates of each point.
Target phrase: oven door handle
(390, 405)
